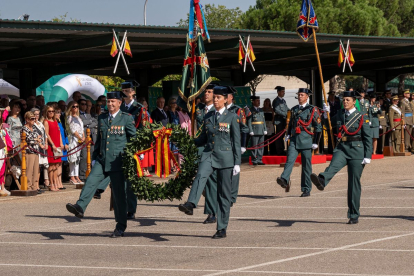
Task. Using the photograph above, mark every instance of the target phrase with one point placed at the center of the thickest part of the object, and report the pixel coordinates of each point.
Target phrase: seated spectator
(185, 120)
(32, 158)
(40, 102)
(174, 119)
(148, 160)
(159, 115)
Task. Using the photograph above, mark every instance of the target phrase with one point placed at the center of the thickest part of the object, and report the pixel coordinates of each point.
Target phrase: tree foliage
(63, 18)
(218, 17)
(111, 83)
(355, 17)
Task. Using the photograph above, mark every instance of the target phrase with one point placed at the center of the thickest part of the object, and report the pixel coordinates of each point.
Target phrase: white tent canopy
(8, 89)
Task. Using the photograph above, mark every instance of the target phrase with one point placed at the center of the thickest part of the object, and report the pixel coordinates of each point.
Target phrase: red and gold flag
(351, 57)
(251, 53)
(341, 56)
(127, 49)
(114, 49)
(241, 53)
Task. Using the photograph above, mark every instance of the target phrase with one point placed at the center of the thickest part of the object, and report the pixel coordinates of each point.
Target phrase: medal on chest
(224, 127)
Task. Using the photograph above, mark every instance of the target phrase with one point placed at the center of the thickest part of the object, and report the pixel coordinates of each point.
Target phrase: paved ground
(270, 232)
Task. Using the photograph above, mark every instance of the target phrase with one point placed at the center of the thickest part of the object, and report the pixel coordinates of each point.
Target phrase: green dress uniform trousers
(292, 154)
(257, 153)
(350, 152)
(119, 185)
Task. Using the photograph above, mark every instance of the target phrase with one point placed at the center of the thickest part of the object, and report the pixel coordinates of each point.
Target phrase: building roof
(62, 47)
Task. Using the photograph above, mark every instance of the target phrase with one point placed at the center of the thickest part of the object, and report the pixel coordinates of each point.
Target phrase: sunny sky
(159, 12)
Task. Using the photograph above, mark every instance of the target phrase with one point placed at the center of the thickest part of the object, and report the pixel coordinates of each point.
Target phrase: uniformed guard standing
(385, 107)
(395, 117)
(303, 130)
(222, 153)
(383, 126)
(257, 128)
(281, 109)
(354, 150)
(334, 107)
(407, 110)
(116, 128)
(363, 103)
(374, 112)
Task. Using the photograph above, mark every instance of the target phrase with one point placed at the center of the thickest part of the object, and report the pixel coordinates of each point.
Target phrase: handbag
(57, 153)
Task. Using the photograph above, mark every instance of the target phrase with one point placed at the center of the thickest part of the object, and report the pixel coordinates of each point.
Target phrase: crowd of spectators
(57, 128)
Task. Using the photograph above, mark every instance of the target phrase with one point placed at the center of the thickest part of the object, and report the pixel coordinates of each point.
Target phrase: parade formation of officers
(223, 129)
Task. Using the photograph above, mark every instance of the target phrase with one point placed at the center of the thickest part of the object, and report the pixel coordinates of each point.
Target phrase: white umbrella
(8, 89)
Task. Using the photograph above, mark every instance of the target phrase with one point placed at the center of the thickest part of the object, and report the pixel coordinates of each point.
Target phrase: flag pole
(323, 87)
(247, 54)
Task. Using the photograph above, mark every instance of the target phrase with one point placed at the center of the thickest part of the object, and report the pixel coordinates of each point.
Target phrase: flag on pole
(307, 22)
(127, 48)
(350, 57)
(341, 57)
(114, 49)
(251, 53)
(241, 53)
(196, 69)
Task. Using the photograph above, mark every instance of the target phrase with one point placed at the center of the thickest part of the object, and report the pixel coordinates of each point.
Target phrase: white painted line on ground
(309, 255)
(326, 192)
(108, 268)
(320, 273)
(198, 246)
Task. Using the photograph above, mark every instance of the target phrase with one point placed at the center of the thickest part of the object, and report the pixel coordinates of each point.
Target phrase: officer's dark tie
(206, 109)
(217, 116)
(110, 119)
(347, 114)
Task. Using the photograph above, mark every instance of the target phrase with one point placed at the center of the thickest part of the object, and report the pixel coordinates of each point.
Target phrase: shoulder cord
(305, 125)
(345, 129)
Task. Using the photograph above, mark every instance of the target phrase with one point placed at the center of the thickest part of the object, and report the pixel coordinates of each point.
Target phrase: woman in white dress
(74, 128)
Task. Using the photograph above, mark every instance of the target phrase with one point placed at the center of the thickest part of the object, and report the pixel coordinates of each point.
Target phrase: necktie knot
(218, 115)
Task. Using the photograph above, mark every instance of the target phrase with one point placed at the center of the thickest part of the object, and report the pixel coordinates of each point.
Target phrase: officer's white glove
(141, 156)
(366, 161)
(93, 162)
(380, 127)
(243, 150)
(236, 170)
(314, 146)
(251, 133)
(326, 107)
(265, 132)
(369, 123)
(287, 138)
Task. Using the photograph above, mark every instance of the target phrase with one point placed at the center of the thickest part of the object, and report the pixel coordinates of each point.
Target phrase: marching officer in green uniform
(354, 150)
(407, 110)
(257, 128)
(281, 110)
(303, 130)
(222, 154)
(244, 131)
(395, 116)
(116, 128)
(210, 206)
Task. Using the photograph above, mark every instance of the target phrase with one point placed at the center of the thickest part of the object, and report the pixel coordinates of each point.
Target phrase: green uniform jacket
(135, 111)
(364, 107)
(354, 149)
(281, 110)
(303, 140)
(221, 140)
(244, 129)
(109, 145)
(374, 112)
(256, 121)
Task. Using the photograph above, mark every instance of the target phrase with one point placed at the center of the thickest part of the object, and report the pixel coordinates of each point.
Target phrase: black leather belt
(351, 138)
